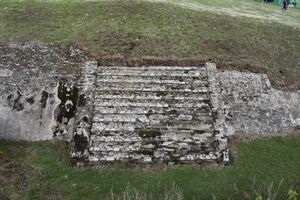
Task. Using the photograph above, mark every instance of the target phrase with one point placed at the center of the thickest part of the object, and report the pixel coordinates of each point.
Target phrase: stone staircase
(152, 114)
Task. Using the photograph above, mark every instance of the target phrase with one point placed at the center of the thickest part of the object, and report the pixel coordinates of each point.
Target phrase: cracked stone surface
(254, 107)
(29, 81)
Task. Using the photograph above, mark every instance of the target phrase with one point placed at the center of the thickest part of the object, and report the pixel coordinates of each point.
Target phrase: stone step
(174, 83)
(150, 73)
(162, 94)
(163, 79)
(97, 148)
(180, 136)
(150, 80)
(148, 119)
(152, 90)
(151, 96)
(167, 135)
(148, 111)
(151, 87)
(127, 147)
(151, 103)
(129, 127)
(124, 144)
(148, 102)
(131, 157)
(152, 68)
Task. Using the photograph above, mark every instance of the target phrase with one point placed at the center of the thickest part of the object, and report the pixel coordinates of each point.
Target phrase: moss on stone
(1, 153)
(161, 93)
(150, 112)
(66, 93)
(149, 133)
(146, 152)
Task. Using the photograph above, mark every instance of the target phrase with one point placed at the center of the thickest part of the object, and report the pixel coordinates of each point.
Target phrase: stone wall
(31, 82)
(252, 106)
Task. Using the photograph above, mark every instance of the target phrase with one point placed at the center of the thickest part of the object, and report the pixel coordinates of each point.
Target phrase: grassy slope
(243, 8)
(268, 160)
(137, 28)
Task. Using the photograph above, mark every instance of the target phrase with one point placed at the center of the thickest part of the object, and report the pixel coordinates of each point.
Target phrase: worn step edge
(151, 97)
(110, 89)
(146, 110)
(145, 119)
(152, 81)
(128, 126)
(149, 105)
(149, 74)
(160, 67)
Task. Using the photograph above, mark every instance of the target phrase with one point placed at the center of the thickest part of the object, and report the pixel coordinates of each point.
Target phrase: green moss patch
(149, 133)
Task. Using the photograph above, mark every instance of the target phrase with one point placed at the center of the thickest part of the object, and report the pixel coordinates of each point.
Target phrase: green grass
(266, 12)
(138, 28)
(268, 160)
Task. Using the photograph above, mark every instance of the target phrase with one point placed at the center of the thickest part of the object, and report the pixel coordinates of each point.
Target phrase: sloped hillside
(241, 32)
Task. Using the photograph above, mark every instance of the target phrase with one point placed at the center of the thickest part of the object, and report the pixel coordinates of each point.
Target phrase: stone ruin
(145, 114)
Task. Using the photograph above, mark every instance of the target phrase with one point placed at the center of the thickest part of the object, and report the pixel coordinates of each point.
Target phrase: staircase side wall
(252, 106)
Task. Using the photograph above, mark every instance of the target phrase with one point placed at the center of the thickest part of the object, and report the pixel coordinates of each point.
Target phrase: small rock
(110, 159)
(148, 146)
(147, 159)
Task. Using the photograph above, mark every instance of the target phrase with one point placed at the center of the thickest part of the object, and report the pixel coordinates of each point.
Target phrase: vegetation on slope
(255, 9)
(48, 175)
(139, 28)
